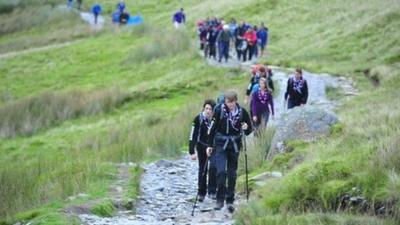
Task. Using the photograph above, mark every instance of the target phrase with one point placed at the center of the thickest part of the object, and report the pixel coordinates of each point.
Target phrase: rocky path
(169, 187)
(168, 191)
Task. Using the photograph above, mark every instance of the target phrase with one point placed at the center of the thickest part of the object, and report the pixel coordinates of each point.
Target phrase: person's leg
(265, 118)
(251, 52)
(212, 176)
(245, 52)
(226, 51)
(220, 51)
(95, 18)
(202, 173)
(232, 165)
(220, 158)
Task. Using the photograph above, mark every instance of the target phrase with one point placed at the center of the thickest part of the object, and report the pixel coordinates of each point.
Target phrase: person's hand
(193, 156)
(244, 126)
(209, 151)
(255, 119)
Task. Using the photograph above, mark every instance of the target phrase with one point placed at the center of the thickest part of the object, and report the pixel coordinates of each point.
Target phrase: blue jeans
(227, 164)
(223, 48)
(262, 119)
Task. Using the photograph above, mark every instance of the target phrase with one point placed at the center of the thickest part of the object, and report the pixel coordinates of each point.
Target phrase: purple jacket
(260, 102)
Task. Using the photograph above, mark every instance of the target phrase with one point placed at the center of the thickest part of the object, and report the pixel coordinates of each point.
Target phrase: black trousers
(211, 171)
(227, 164)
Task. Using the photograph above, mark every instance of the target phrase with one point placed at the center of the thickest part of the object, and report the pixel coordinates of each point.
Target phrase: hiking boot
(219, 205)
(201, 198)
(230, 207)
(212, 196)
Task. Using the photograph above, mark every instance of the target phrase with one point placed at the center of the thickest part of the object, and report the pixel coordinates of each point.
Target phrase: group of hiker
(218, 131)
(248, 41)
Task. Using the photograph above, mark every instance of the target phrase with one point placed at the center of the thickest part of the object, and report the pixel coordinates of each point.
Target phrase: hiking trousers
(227, 164)
(223, 48)
(209, 169)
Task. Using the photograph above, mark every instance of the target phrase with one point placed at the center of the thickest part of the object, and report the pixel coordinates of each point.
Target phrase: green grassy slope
(70, 155)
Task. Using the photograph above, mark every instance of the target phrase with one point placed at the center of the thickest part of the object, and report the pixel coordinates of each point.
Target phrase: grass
(68, 156)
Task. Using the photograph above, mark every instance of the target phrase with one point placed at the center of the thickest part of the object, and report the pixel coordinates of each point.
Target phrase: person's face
(231, 105)
(208, 110)
(262, 85)
(298, 75)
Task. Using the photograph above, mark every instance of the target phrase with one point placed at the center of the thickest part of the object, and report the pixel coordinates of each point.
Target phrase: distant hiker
(179, 18)
(262, 104)
(262, 38)
(70, 3)
(224, 143)
(212, 42)
(198, 141)
(232, 27)
(123, 18)
(251, 37)
(202, 32)
(121, 7)
(79, 4)
(96, 10)
(240, 43)
(223, 43)
(258, 72)
(297, 90)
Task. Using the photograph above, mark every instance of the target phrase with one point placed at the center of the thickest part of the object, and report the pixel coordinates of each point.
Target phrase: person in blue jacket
(121, 7)
(262, 38)
(179, 18)
(96, 10)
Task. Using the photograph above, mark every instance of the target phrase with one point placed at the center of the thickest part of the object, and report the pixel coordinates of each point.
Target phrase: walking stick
(245, 163)
(203, 173)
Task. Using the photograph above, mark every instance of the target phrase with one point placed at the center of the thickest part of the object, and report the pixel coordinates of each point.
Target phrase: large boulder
(306, 123)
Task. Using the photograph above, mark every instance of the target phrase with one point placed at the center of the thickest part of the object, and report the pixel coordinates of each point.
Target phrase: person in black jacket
(297, 90)
(230, 120)
(198, 141)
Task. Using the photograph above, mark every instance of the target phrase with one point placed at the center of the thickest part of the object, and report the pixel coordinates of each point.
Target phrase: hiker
(240, 43)
(121, 7)
(79, 4)
(258, 72)
(96, 9)
(202, 32)
(211, 43)
(262, 38)
(224, 143)
(198, 141)
(297, 90)
(251, 37)
(179, 18)
(70, 3)
(123, 18)
(262, 105)
(223, 43)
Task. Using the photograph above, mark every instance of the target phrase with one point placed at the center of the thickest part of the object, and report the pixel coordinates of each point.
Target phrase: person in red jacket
(251, 37)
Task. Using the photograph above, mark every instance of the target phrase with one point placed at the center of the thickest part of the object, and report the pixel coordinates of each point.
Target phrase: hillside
(69, 113)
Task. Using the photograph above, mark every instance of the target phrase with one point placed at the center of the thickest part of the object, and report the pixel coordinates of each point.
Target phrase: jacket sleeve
(247, 120)
(272, 104)
(213, 126)
(271, 84)
(250, 87)
(194, 133)
(287, 89)
(253, 105)
(305, 93)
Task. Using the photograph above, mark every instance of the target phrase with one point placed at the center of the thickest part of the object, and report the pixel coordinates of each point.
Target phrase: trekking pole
(203, 173)
(245, 163)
